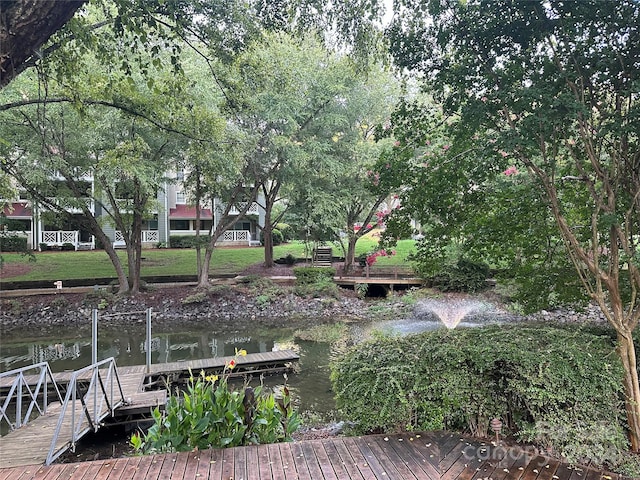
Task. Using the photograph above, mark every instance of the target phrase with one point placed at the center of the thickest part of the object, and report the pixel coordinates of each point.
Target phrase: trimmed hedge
(309, 275)
(187, 241)
(13, 243)
(558, 387)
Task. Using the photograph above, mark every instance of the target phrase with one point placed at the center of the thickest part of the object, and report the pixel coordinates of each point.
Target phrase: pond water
(70, 349)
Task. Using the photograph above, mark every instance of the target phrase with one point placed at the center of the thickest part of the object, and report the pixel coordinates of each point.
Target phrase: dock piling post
(94, 337)
(148, 339)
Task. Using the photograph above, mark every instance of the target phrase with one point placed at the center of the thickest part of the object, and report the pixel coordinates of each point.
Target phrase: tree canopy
(546, 93)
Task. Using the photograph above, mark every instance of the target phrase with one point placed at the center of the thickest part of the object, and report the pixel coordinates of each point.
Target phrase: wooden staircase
(322, 257)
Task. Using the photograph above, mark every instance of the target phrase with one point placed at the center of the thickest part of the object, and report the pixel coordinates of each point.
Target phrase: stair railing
(34, 386)
(93, 393)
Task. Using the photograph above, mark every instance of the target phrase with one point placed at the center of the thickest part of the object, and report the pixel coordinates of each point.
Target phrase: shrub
(99, 298)
(286, 230)
(320, 288)
(464, 276)
(67, 247)
(251, 279)
(276, 237)
(60, 302)
(307, 275)
(557, 386)
(211, 414)
(12, 243)
(197, 297)
(362, 289)
(187, 241)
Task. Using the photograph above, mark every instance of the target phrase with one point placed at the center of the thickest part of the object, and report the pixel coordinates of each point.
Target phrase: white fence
(253, 209)
(57, 238)
(237, 236)
(147, 236)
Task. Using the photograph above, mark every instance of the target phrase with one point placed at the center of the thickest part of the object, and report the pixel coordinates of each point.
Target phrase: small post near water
(148, 340)
(94, 337)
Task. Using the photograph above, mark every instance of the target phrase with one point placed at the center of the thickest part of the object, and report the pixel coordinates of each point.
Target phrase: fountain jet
(450, 311)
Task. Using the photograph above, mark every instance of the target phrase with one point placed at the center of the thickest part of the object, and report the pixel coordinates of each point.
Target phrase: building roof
(17, 210)
(185, 212)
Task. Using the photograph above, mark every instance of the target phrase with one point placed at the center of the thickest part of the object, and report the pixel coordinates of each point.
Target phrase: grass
(166, 262)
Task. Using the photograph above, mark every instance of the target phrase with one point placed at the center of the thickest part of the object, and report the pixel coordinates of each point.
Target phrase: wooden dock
(142, 391)
(414, 456)
(31, 443)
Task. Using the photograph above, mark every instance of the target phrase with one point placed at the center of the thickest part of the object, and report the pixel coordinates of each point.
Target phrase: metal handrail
(90, 406)
(21, 386)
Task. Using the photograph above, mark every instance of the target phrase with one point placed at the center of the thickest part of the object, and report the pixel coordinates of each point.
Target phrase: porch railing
(253, 209)
(60, 237)
(237, 236)
(147, 236)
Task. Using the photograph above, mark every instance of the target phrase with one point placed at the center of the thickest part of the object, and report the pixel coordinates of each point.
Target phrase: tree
(551, 87)
(283, 88)
(227, 26)
(24, 27)
(344, 174)
(124, 138)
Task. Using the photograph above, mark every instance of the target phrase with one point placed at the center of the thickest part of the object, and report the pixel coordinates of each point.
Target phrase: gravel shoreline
(223, 308)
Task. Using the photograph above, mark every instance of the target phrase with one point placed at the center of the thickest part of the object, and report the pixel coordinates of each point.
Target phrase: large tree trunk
(350, 257)
(627, 353)
(25, 25)
(203, 277)
(134, 244)
(123, 281)
(267, 233)
(270, 197)
(198, 245)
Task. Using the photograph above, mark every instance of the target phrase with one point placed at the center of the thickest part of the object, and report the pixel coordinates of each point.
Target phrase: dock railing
(93, 393)
(23, 390)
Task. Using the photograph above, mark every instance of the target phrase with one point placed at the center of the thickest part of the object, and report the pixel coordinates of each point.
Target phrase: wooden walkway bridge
(139, 389)
(425, 456)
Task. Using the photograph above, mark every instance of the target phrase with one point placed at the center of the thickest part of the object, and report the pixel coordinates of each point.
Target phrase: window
(180, 198)
(179, 225)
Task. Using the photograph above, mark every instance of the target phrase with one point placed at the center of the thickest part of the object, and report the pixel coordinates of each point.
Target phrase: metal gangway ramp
(43, 428)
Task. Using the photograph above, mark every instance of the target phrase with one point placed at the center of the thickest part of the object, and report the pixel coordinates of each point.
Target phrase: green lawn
(96, 264)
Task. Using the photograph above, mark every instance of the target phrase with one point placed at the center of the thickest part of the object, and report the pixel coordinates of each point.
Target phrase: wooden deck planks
(391, 462)
(311, 460)
(288, 463)
(326, 467)
(349, 463)
(302, 470)
(360, 461)
(341, 468)
(423, 464)
(252, 462)
(275, 459)
(392, 457)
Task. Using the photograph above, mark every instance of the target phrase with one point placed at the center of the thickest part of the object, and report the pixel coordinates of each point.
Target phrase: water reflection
(310, 386)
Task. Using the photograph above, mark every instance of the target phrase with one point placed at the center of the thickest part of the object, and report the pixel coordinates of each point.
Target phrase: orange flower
(231, 364)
